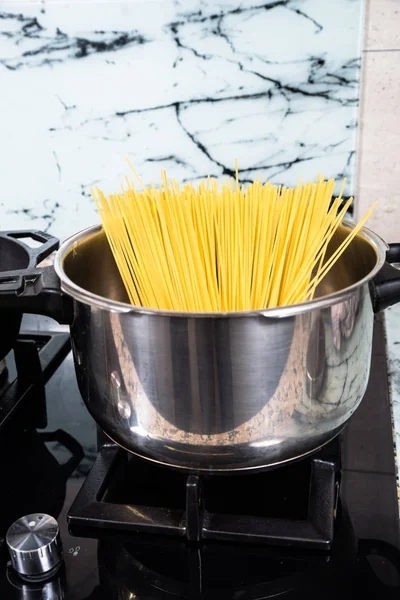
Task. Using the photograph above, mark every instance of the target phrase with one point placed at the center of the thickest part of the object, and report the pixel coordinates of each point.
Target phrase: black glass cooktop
(49, 444)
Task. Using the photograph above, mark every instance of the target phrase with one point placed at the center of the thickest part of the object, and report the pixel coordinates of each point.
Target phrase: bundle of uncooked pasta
(214, 247)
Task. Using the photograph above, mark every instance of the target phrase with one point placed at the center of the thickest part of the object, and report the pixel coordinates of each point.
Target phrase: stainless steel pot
(216, 392)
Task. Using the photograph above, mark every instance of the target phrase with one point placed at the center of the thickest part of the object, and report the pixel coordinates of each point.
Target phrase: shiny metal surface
(223, 391)
(34, 545)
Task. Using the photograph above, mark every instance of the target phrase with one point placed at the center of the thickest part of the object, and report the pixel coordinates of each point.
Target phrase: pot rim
(81, 295)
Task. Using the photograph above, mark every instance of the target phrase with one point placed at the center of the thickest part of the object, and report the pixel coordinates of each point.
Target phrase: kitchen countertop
(392, 321)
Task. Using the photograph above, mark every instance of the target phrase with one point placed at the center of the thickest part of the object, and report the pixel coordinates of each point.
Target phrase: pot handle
(36, 255)
(385, 287)
(36, 291)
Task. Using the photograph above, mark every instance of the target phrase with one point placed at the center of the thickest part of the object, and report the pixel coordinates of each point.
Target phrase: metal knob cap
(35, 546)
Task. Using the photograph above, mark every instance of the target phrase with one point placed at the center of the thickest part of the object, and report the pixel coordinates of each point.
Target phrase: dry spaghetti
(219, 248)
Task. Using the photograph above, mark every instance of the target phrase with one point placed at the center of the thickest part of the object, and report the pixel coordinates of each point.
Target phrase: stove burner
(37, 356)
(161, 568)
(291, 506)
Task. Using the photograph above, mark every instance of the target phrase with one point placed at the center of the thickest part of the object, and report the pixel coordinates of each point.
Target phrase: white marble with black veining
(392, 320)
(186, 85)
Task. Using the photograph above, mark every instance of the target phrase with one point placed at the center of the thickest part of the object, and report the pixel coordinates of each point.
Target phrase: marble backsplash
(185, 85)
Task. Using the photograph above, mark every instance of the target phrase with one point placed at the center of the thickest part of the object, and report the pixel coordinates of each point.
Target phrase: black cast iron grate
(291, 506)
(36, 355)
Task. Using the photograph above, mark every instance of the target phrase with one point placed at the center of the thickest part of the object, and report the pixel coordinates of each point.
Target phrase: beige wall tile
(382, 25)
(379, 143)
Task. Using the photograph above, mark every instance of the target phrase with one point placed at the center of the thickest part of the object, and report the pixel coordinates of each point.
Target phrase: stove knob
(35, 546)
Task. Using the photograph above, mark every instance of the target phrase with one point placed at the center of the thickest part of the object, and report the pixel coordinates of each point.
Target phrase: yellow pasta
(222, 247)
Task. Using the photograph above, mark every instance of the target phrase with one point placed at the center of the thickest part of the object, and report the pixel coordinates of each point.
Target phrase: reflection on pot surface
(343, 319)
(219, 393)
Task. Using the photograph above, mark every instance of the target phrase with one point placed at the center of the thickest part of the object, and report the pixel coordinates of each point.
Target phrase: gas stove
(128, 528)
